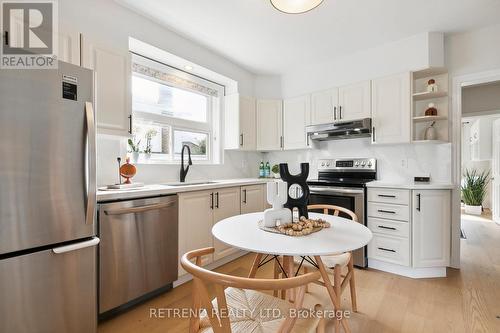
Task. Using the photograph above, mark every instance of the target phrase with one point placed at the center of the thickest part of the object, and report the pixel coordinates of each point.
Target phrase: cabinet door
(354, 101)
(226, 204)
(269, 124)
(112, 86)
(252, 199)
(248, 117)
(323, 105)
(69, 47)
(296, 116)
(195, 223)
(431, 228)
(391, 109)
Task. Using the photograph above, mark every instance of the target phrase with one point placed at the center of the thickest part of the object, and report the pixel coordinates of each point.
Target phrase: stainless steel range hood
(341, 130)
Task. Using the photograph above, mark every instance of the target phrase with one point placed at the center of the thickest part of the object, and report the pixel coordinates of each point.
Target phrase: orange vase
(128, 171)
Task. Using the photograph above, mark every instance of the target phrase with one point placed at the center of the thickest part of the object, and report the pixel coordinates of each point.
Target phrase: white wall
(396, 163)
(107, 22)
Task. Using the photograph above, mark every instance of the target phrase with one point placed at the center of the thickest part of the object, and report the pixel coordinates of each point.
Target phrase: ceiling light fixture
(295, 6)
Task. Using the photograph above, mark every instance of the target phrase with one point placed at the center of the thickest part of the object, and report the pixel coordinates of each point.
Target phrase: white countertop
(412, 185)
(163, 189)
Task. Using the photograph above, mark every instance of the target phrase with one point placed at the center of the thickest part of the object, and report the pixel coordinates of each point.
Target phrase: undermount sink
(189, 183)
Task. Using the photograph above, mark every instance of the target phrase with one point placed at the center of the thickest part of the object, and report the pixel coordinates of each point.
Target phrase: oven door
(352, 198)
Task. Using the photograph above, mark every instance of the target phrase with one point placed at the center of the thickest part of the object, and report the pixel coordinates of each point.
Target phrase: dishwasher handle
(139, 209)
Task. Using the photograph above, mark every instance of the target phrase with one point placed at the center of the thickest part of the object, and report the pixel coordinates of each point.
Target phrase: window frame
(212, 127)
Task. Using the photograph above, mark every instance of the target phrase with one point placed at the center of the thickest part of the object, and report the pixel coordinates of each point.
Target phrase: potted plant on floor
(474, 190)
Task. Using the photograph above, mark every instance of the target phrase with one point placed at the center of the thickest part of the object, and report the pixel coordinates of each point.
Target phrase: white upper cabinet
(269, 124)
(240, 123)
(69, 47)
(112, 86)
(354, 102)
(391, 109)
(296, 116)
(431, 222)
(248, 118)
(323, 105)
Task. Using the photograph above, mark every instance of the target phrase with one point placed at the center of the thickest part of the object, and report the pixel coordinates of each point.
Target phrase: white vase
(473, 210)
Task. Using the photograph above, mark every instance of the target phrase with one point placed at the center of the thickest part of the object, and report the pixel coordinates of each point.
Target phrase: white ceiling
(254, 35)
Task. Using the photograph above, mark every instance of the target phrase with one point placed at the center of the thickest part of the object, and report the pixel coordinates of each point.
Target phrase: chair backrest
(335, 209)
(218, 317)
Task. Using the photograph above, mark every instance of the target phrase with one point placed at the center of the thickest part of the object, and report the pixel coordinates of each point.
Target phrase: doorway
(480, 156)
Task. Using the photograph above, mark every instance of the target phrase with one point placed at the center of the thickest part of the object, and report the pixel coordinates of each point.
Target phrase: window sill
(144, 160)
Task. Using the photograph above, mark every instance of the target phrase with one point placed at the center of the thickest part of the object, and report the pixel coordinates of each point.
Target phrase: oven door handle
(335, 190)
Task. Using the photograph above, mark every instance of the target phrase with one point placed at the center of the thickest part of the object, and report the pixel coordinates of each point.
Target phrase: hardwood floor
(468, 300)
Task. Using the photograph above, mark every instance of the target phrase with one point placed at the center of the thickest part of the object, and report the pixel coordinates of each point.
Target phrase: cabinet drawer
(387, 211)
(390, 249)
(388, 227)
(389, 195)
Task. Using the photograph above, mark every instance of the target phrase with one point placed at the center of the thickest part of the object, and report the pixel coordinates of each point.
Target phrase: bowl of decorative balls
(303, 227)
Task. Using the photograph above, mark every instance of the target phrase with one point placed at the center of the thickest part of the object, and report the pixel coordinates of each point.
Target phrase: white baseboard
(415, 273)
(187, 277)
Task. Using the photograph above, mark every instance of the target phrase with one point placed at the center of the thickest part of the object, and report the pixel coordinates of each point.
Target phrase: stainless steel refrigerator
(48, 247)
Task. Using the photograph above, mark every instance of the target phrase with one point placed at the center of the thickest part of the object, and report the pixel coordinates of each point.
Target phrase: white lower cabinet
(226, 204)
(252, 198)
(431, 225)
(411, 231)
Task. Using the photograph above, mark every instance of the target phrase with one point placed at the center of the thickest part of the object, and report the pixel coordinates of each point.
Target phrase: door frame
(460, 82)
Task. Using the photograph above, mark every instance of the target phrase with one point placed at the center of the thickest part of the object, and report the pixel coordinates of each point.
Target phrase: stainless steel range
(342, 182)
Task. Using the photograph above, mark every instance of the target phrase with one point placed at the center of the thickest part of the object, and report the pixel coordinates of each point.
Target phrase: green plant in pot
(134, 148)
(276, 171)
(473, 188)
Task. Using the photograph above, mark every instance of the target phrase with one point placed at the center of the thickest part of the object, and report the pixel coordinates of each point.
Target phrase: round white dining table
(243, 232)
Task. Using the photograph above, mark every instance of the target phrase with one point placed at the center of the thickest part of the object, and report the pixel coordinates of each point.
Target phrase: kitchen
(263, 108)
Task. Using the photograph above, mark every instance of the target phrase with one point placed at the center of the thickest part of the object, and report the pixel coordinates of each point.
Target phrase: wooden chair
(337, 262)
(239, 308)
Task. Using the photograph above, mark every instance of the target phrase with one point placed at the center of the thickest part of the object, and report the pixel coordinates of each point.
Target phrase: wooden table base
(288, 268)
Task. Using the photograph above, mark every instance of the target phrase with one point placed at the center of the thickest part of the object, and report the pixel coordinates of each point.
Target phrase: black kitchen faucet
(185, 171)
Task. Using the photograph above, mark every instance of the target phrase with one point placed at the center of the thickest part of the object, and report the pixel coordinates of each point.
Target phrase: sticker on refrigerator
(69, 87)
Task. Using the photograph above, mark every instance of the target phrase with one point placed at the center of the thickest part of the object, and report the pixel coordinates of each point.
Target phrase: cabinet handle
(217, 200)
(241, 139)
(6, 38)
(211, 201)
(373, 133)
(334, 113)
(418, 201)
(386, 196)
(340, 112)
(388, 228)
(281, 142)
(387, 250)
(245, 196)
(130, 124)
(386, 211)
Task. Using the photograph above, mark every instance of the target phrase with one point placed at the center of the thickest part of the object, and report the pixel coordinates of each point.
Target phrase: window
(172, 108)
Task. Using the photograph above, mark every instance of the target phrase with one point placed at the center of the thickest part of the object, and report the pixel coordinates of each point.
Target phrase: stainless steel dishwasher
(138, 253)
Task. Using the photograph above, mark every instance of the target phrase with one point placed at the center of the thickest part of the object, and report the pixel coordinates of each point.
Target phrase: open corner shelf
(428, 118)
(429, 95)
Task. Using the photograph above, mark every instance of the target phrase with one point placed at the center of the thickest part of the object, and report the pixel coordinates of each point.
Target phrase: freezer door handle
(78, 246)
(91, 168)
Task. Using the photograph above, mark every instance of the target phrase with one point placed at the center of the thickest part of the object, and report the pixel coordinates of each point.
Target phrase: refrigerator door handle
(91, 173)
(78, 246)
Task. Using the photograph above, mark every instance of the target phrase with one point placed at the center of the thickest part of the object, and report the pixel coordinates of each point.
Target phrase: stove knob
(322, 164)
(328, 164)
(356, 164)
(363, 164)
(369, 163)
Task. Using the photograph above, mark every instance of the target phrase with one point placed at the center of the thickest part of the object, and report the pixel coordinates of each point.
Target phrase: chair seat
(248, 312)
(329, 261)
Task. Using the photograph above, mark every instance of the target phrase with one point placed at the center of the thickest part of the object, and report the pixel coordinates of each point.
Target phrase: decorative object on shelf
(431, 111)
(430, 132)
(298, 190)
(303, 227)
(277, 197)
(432, 85)
(295, 6)
(276, 171)
(128, 171)
(473, 189)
